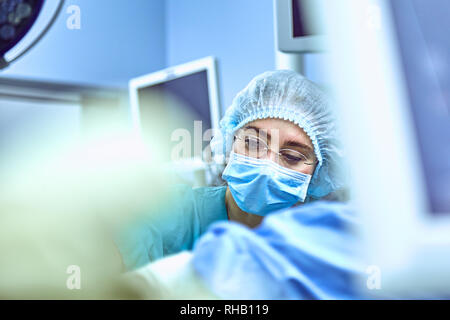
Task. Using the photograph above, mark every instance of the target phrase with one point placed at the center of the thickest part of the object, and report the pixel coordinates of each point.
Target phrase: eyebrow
(290, 143)
(297, 144)
(257, 129)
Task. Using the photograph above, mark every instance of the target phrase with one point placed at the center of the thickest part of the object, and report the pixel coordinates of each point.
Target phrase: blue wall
(117, 41)
(238, 32)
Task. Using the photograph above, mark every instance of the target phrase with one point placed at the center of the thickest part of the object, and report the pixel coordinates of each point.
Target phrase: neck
(236, 214)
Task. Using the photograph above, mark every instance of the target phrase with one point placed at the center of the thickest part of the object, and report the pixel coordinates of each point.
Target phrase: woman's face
(288, 144)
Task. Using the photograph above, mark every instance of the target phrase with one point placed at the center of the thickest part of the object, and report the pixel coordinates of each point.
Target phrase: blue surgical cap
(287, 95)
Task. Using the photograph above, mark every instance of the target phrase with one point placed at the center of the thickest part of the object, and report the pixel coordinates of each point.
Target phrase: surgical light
(16, 19)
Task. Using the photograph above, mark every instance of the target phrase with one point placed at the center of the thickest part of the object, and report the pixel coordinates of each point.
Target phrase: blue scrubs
(306, 252)
(176, 226)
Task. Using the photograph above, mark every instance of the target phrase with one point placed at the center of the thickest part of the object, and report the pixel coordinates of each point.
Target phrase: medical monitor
(181, 97)
(297, 26)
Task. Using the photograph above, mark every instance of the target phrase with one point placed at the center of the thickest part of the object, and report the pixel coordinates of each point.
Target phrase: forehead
(287, 130)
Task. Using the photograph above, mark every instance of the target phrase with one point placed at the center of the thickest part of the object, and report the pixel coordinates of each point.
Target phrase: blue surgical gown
(306, 252)
(174, 227)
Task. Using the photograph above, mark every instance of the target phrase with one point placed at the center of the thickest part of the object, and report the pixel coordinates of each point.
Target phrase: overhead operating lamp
(16, 19)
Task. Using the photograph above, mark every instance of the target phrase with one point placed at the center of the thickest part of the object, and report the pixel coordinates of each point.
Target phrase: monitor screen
(422, 31)
(302, 23)
(176, 104)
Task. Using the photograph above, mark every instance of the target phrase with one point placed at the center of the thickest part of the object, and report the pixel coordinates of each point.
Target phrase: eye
(252, 143)
(292, 157)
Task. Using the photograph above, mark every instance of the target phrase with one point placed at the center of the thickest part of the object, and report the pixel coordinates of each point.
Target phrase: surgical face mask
(260, 186)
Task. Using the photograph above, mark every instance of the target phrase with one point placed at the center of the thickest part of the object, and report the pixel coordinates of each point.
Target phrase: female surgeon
(279, 136)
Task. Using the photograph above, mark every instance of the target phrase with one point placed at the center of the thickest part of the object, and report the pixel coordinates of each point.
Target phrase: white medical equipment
(390, 64)
(182, 97)
(296, 29)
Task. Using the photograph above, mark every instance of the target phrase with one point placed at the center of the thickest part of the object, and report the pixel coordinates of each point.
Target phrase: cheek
(236, 149)
(308, 170)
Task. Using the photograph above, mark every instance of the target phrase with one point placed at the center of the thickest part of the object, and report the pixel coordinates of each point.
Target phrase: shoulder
(199, 206)
(199, 193)
(210, 204)
(210, 192)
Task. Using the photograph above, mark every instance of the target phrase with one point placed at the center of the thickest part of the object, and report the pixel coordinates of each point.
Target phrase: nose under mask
(261, 186)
